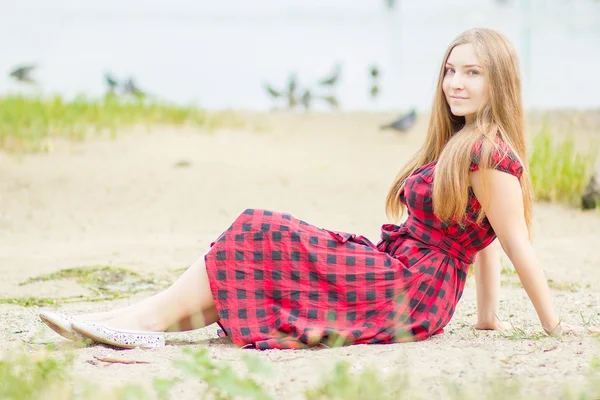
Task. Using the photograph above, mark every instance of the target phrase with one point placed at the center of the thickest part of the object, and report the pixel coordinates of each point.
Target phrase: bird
(272, 92)
(332, 101)
(291, 93)
(131, 88)
(306, 99)
(333, 78)
(374, 71)
(111, 82)
(292, 83)
(23, 73)
(374, 91)
(292, 101)
(404, 123)
(591, 194)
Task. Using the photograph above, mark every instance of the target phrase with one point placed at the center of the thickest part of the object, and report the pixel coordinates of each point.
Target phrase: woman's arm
(487, 278)
(504, 210)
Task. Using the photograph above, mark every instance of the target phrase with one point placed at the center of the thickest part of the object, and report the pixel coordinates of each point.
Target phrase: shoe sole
(67, 334)
(114, 344)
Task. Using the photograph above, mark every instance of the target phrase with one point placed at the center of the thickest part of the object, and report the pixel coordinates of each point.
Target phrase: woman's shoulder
(502, 157)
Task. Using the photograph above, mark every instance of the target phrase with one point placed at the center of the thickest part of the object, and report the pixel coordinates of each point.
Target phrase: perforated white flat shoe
(61, 324)
(117, 338)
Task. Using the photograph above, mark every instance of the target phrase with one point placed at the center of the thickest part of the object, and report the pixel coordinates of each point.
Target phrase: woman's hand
(569, 329)
(503, 204)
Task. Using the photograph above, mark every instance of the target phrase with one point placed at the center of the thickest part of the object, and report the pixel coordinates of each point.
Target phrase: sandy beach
(152, 202)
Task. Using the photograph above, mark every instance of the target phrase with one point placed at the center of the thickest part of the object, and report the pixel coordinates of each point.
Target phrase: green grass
(34, 376)
(221, 378)
(105, 281)
(27, 124)
(39, 301)
(559, 169)
(368, 384)
(516, 332)
(98, 277)
(565, 286)
(47, 374)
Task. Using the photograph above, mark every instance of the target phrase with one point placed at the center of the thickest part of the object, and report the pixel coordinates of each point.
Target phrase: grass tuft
(368, 384)
(222, 380)
(559, 170)
(27, 124)
(24, 376)
(47, 374)
(105, 281)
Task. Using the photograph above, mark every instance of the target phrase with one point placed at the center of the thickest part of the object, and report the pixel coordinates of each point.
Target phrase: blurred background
(385, 54)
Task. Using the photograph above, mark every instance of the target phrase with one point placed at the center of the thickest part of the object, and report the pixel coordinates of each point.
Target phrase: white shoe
(61, 324)
(113, 337)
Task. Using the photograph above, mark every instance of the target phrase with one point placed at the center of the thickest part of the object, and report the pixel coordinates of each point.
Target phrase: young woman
(274, 281)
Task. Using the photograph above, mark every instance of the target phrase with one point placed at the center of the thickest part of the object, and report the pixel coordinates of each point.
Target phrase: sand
(153, 202)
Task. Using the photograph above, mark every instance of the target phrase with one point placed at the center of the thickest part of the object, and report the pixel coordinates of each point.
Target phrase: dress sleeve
(503, 158)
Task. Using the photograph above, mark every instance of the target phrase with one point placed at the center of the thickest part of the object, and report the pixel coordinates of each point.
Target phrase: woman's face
(464, 82)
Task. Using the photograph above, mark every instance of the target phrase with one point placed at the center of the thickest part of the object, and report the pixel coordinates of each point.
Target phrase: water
(217, 55)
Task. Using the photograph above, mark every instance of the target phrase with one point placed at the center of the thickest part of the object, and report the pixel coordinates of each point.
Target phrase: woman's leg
(196, 321)
(101, 316)
(187, 304)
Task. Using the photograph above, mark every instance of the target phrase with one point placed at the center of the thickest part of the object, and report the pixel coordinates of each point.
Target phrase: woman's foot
(99, 316)
(123, 333)
(61, 323)
(134, 322)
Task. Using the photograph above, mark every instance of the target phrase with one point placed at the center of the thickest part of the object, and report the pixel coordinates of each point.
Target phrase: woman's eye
(473, 72)
(449, 70)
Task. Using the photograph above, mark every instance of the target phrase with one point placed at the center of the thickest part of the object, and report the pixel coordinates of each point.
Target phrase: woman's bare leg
(101, 316)
(196, 321)
(187, 304)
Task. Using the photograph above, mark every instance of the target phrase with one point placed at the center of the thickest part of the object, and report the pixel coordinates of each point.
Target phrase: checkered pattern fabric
(279, 282)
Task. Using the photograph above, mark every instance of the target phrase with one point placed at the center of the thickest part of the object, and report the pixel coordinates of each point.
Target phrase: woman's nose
(456, 82)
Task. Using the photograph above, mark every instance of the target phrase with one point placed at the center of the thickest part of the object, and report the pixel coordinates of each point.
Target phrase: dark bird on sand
(306, 99)
(23, 73)
(291, 93)
(403, 123)
(591, 194)
(292, 100)
(292, 84)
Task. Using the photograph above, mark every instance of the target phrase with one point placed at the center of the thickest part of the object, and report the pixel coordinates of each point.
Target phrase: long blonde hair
(501, 117)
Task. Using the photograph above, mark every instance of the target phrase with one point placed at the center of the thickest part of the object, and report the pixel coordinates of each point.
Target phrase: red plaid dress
(279, 282)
